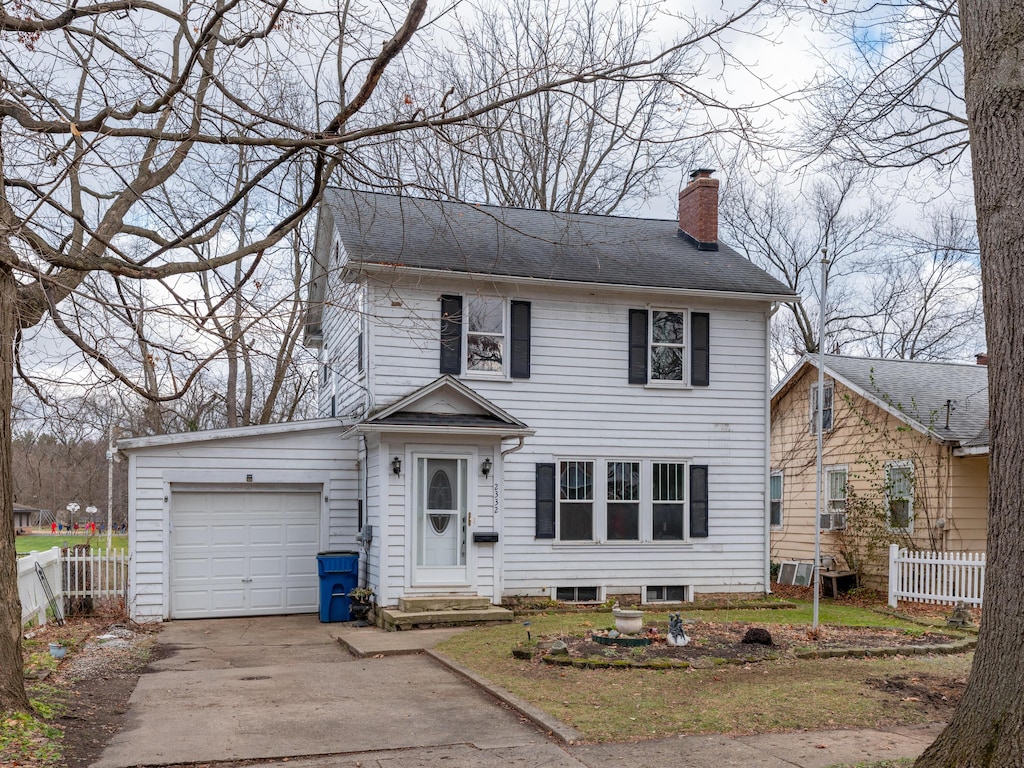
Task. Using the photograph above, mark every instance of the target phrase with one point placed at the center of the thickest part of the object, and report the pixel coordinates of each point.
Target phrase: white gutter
(370, 268)
(978, 450)
(768, 451)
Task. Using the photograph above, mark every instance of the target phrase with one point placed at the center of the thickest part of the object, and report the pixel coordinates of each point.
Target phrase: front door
(440, 521)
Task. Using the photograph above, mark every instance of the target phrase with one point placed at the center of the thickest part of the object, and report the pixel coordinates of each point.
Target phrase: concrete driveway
(276, 687)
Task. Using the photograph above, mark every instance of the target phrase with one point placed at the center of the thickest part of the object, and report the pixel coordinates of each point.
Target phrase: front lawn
(40, 542)
(785, 694)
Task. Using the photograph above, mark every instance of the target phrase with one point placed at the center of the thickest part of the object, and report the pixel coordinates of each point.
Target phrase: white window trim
(826, 500)
(901, 464)
(599, 521)
(506, 325)
(829, 387)
(782, 500)
(683, 383)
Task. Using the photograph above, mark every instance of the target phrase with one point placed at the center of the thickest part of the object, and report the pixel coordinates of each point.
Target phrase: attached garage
(229, 522)
(243, 553)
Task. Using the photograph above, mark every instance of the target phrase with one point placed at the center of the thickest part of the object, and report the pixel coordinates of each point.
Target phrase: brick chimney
(981, 358)
(698, 210)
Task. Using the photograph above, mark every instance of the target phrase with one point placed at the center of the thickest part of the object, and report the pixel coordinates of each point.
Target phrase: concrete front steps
(442, 611)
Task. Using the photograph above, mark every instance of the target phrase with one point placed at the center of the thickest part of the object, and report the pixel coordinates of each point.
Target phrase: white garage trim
(243, 549)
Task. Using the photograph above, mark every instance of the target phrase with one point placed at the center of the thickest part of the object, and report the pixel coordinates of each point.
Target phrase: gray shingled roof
(920, 390)
(515, 242)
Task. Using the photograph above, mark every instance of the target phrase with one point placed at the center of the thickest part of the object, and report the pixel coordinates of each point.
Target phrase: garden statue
(676, 634)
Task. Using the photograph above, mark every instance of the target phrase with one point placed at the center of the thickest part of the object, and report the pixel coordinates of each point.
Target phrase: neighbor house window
(668, 512)
(776, 499)
(485, 334)
(899, 495)
(576, 501)
(826, 414)
(833, 516)
(623, 505)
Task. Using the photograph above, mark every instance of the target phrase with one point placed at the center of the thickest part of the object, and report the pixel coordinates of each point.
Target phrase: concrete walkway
(291, 692)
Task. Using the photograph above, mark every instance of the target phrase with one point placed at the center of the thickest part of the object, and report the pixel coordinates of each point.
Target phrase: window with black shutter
(638, 346)
(520, 343)
(545, 501)
(451, 335)
(698, 501)
(700, 349)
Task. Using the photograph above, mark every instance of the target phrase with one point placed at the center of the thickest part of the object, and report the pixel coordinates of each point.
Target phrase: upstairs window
(669, 347)
(826, 414)
(485, 334)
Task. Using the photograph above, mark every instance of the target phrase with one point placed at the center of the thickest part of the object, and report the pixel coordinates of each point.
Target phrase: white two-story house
(513, 403)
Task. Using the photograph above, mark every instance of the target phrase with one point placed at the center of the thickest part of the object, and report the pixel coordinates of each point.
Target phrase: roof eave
(424, 429)
(371, 268)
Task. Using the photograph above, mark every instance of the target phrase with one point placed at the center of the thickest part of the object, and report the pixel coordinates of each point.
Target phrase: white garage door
(243, 553)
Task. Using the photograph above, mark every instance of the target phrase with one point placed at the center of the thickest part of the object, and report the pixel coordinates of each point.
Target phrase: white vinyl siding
(306, 457)
(580, 403)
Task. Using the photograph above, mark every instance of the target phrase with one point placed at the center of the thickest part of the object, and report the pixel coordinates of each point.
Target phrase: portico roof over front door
(445, 406)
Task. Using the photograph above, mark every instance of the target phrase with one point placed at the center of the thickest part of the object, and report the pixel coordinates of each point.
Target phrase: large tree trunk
(987, 728)
(12, 685)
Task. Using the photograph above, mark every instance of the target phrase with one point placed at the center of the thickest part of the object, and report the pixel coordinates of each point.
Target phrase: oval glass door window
(439, 495)
(439, 522)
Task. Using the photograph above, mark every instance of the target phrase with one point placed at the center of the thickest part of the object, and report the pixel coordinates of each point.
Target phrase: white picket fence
(936, 577)
(96, 573)
(30, 589)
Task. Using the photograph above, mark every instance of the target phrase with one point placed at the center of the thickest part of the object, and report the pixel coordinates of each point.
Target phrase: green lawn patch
(787, 694)
(42, 541)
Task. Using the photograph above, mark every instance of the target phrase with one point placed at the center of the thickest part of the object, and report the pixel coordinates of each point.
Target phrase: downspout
(499, 497)
(768, 450)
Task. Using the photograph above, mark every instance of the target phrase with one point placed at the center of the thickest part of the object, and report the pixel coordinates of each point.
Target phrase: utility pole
(819, 422)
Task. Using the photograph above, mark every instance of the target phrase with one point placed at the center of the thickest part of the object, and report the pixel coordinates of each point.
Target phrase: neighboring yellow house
(905, 460)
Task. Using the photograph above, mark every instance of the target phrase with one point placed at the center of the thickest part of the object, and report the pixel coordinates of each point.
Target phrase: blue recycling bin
(339, 575)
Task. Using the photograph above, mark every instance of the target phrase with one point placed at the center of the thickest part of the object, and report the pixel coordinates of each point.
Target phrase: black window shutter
(638, 346)
(520, 345)
(700, 349)
(451, 334)
(698, 501)
(545, 501)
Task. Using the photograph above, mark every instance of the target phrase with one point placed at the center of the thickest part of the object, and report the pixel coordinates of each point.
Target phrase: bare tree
(987, 728)
(131, 131)
(925, 295)
(889, 92)
(590, 146)
(785, 231)
(892, 292)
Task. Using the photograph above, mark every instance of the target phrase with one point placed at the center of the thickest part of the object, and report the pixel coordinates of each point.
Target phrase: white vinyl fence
(34, 601)
(936, 577)
(91, 574)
